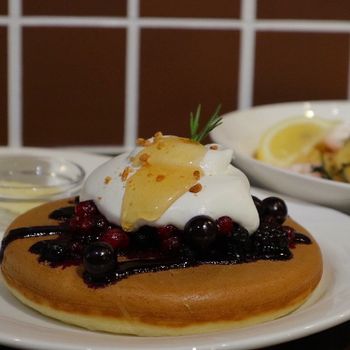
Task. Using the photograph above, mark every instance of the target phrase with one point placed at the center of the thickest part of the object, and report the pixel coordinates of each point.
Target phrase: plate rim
(301, 332)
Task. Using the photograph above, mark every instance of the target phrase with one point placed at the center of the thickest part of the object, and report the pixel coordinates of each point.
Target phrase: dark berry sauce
(62, 214)
(109, 254)
(30, 232)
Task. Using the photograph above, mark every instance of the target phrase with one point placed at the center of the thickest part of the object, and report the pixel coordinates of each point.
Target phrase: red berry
(74, 223)
(167, 231)
(86, 208)
(101, 222)
(116, 237)
(79, 223)
(290, 234)
(171, 244)
(225, 225)
(77, 248)
(87, 224)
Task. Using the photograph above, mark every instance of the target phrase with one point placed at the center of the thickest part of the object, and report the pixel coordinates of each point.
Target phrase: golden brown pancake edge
(174, 302)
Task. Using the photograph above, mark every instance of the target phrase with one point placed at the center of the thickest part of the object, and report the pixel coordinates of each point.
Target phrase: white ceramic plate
(242, 130)
(25, 328)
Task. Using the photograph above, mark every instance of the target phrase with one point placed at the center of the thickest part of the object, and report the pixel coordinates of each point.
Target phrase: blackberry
(239, 245)
(270, 241)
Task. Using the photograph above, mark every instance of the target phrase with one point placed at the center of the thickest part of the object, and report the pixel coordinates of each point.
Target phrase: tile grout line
(199, 23)
(348, 81)
(321, 26)
(248, 23)
(14, 68)
(247, 55)
(100, 149)
(132, 64)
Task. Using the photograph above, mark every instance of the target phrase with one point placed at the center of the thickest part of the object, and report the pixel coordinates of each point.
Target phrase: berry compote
(83, 236)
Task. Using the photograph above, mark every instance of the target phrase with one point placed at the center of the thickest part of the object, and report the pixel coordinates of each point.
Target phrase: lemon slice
(292, 138)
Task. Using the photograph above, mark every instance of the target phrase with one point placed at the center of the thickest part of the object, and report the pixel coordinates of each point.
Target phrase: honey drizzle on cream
(168, 167)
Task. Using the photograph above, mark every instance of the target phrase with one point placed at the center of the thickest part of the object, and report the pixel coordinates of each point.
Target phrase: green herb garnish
(214, 121)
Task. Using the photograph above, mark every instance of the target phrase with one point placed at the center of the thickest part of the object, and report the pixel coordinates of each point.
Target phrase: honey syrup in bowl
(28, 181)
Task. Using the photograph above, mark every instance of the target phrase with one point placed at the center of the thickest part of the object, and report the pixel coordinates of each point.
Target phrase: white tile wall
(247, 24)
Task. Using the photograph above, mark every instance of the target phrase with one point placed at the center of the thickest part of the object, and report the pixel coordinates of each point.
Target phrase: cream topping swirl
(223, 191)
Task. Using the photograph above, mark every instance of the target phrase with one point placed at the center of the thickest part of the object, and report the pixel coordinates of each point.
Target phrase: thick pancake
(178, 301)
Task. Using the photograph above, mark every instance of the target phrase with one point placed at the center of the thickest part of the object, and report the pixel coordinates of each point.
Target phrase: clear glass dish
(27, 181)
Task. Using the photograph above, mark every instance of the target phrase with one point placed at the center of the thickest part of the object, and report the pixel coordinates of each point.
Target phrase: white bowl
(241, 131)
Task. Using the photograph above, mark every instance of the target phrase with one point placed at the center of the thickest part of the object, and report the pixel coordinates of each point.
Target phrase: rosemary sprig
(214, 121)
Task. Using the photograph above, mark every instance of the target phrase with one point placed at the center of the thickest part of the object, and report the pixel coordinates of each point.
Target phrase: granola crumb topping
(144, 157)
(140, 141)
(143, 142)
(107, 180)
(158, 135)
(124, 175)
(214, 147)
(196, 188)
(197, 174)
(160, 178)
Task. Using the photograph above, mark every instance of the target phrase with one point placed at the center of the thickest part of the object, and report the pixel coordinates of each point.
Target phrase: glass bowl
(27, 181)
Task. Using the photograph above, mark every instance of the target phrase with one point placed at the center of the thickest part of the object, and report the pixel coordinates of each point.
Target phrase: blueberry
(186, 254)
(55, 251)
(275, 207)
(99, 258)
(145, 238)
(200, 232)
(258, 205)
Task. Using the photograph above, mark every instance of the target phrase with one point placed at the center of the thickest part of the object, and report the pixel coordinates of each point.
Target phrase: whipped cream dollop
(221, 190)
